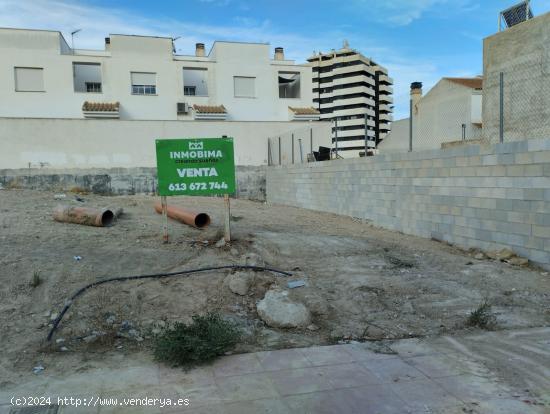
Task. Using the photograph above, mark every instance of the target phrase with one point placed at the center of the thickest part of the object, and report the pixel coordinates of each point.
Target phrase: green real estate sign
(198, 166)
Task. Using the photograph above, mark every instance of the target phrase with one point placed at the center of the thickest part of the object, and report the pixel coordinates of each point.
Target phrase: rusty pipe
(84, 215)
(185, 216)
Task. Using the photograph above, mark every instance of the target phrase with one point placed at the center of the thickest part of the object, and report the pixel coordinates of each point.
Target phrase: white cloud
(404, 12)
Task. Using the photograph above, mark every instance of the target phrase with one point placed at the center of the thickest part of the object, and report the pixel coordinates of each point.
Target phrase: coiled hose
(153, 276)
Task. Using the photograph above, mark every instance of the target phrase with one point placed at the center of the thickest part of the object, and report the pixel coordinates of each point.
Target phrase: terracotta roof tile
(210, 109)
(304, 111)
(100, 106)
(474, 83)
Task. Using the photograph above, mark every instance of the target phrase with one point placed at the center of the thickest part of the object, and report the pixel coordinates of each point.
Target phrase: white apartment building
(356, 94)
(450, 111)
(141, 78)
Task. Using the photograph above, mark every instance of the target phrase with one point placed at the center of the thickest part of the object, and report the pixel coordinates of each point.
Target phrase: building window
(195, 82)
(190, 90)
(29, 79)
(144, 83)
(87, 77)
(93, 86)
(245, 87)
(289, 85)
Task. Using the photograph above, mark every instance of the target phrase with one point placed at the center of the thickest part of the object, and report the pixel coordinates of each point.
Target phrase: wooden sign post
(227, 203)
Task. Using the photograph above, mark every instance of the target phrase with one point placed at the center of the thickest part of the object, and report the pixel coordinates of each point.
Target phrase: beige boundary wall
(113, 143)
(473, 196)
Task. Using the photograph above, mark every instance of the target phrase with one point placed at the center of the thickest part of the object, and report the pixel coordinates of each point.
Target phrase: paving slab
(486, 372)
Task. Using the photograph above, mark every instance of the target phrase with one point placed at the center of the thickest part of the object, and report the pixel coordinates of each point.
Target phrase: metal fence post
(269, 152)
(366, 137)
(279, 150)
(336, 136)
(501, 108)
(292, 148)
(410, 125)
(311, 140)
(463, 132)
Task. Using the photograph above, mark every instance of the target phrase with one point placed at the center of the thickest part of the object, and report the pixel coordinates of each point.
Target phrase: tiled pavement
(445, 375)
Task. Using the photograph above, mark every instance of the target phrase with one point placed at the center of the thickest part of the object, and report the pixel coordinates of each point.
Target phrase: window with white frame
(29, 79)
(144, 83)
(245, 86)
(195, 82)
(87, 77)
(289, 84)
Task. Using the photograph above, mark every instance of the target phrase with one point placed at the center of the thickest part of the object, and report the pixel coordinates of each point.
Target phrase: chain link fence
(504, 106)
(516, 104)
(299, 145)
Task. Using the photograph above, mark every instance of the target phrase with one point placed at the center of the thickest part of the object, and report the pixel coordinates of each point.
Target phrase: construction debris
(508, 256)
(295, 284)
(185, 216)
(84, 215)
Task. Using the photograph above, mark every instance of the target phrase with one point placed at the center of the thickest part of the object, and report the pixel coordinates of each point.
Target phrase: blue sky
(417, 40)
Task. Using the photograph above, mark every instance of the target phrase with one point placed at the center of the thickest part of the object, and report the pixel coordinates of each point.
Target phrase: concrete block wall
(487, 197)
(112, 181)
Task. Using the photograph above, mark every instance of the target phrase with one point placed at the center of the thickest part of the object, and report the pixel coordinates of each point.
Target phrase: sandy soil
(361, 282)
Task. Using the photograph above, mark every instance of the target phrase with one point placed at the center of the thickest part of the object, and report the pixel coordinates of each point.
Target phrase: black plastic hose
(153, 276)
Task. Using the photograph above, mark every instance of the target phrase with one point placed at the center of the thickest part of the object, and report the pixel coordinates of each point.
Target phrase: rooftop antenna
(72, 38)
(516, 14)
(345, 44)
(174, 43)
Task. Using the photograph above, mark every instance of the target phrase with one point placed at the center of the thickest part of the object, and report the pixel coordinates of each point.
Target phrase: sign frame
(196, 167)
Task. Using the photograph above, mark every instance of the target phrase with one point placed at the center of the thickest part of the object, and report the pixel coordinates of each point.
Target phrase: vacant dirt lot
(361, 282)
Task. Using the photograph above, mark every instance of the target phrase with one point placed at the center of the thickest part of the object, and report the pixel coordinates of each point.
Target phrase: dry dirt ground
(361, 282)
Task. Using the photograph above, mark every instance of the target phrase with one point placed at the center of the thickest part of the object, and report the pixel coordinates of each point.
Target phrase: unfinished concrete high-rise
(355, 93)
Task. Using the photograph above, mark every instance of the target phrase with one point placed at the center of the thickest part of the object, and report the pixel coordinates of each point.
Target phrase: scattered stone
(240, 282)
(234, 252)
(90, 338)
(63, 349)
(253, 259)
(125, 325)
(501, 255)
(54, 316)
(221, 243)
(279, 311)
(312, 327)
(479, 256)
(518, 261)
(59, 196)
(373, 332)
(131, 334)
(59, 340)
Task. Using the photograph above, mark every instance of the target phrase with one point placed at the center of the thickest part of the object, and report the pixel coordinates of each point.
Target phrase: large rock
(279, 311)
(240, 282)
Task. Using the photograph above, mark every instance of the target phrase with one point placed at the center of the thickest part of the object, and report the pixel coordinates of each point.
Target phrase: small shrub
(36, 279)
(482, 317)
(206, 338)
